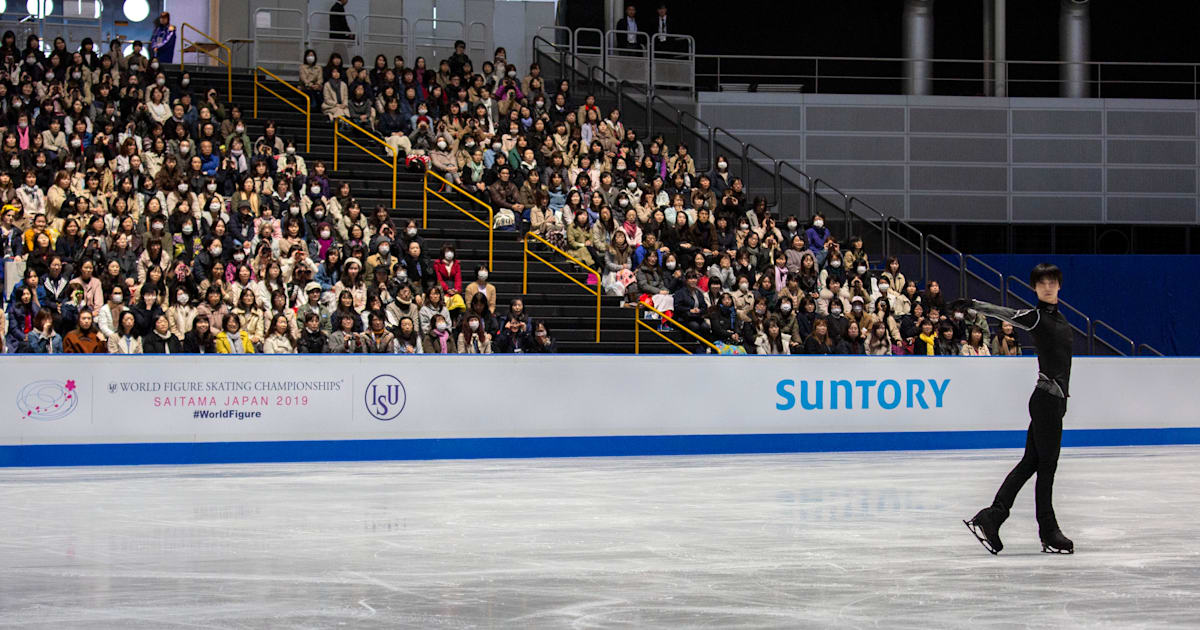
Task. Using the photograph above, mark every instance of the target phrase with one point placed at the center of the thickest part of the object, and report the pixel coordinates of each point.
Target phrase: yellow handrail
(425, 203)
(228, 62)
(306, 110)
(337, 133)
(638, 323)
(525, 273)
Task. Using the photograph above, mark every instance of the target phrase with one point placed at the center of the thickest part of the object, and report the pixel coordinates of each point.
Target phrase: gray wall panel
(958, 207)
(1152, 123)
(1151, 180)
(1055, 150)
(1045, 179)
(981, 178)
(949, 149)
(1049, 121)
(1151, 152)
(1057, 208)
(855, 118)
(874, 148)
(781, 147)
(957, 120)
(923, 157)
(867, 176)
(1152, 209)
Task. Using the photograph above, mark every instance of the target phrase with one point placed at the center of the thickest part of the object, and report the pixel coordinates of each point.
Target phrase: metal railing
(306, 110)
(958, 77)
(196, 48)
(639, 323)
(394, 164)
(1096, 323)
(525, 272)
(893, 232)
(1084, 331)
(279, 37)
(1145, 348)
(427, 190)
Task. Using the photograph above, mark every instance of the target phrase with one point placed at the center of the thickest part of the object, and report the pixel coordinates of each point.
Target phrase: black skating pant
(1042, 445)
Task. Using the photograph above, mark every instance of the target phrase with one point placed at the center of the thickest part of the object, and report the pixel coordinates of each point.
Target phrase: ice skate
(1055, 542)
(986, 528)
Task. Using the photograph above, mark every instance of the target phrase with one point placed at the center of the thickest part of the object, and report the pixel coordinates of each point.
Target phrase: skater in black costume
(1052, 336)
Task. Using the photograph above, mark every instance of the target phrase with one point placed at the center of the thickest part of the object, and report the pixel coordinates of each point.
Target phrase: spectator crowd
(148, 220)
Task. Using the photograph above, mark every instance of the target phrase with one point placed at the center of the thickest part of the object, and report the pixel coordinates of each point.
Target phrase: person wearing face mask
(743, 298)
(442, 159)
(439, 339)
(818, 237)
(482, 286)
(110, 314)
(311, 75)
(472, 338)
(384, 258)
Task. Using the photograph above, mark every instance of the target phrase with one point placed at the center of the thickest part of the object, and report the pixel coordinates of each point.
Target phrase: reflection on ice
(777, 541)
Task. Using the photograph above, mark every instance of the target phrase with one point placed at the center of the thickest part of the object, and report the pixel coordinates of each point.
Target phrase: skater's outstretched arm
(1025, 319)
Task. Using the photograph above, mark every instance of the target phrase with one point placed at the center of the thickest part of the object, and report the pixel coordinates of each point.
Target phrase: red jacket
(445, 275)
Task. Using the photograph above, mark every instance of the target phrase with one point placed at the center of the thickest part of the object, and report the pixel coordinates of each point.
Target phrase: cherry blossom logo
(47, 400)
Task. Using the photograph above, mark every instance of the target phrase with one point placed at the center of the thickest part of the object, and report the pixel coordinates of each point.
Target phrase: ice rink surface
(860, 540)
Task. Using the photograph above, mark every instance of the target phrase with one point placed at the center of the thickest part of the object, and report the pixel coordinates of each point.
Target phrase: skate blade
(982, 540)
(1065, 552)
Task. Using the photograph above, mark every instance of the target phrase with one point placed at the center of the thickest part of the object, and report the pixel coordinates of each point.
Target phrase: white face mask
(836, 310)
(857, 308)
(183, 188)
(185, 82)
(76, 142)
(319, 213)
(483, 276)
(118, 298)
(161, 82)
(310, 59)
(818, 223)
(862, 269)
(722, 165)
(671, 265)
(181, 298)
(623, 202)
(295, 210)
(441, 326)
(99, 161)
(743, 286)
(449, 255)
(792, 225)
(185, 149)
(316, 190)
(325, 235)
(384, 250)
(422, 111)
(411, 231)
(156, 226)
(240, 129)
(15, 162)
(883, 287)
(216, 251)
(496, 146)
(786, 308)
(442, 144)
(470, 143)
(70, 166)
(835, 263)
(187, 228)
(239, 256)
(214, 206)
(154, 64)
(474, 325)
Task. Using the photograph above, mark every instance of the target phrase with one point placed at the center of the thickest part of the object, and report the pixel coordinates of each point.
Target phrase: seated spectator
(819, 342)
(200, 339)
(946, 345)
(541, 342)
(974, 346)
(86, 338)
(335, 97)
(474, 338)
(852, 342)
(879, 342)
(312, 337)
(160, 340)
(125, 339)
(515, 329)
(773, 340)
(1005, 344)
(408, 338)
(233, 340)
(439, 339)
(279, 337)
(42, 338)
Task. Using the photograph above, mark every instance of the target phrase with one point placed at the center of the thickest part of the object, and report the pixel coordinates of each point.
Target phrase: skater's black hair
(1045, 270)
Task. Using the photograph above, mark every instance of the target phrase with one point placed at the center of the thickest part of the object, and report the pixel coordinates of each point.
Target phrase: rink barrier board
(161, 410)
(606, 446)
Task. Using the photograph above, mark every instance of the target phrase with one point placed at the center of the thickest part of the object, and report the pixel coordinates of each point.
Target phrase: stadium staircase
(570, 306)
(566, 308)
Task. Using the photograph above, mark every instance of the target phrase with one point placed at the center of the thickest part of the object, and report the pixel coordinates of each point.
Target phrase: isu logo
(385, 397)
(47, 400)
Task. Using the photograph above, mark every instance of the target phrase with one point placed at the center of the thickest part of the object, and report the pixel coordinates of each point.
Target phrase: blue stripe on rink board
(587, 446)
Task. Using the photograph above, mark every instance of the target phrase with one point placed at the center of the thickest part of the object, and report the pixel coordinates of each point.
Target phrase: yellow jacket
(224, 347)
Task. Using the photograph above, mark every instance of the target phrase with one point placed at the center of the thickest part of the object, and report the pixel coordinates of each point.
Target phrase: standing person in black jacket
(339, 26)
(1052, 336)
